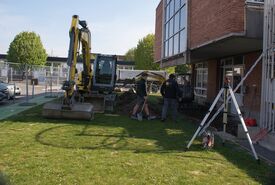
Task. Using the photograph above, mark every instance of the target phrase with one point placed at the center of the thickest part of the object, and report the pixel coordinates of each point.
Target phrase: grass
(113, 149)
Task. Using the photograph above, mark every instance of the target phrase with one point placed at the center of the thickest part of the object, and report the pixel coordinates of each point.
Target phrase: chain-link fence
(29, 81)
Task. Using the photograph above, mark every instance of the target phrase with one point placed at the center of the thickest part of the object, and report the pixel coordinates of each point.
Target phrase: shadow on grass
(261, 172)
(128, 134)
(135, 136)
(39, 138)
(4, 180)
(151, 130)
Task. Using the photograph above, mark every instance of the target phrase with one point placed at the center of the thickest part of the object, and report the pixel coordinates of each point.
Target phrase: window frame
(201, 82)
(170, 29)
(255, 1)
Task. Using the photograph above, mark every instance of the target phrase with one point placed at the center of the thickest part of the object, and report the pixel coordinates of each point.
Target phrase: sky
(116, 25)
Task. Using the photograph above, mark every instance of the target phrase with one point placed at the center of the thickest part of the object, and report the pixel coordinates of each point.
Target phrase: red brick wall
(212, 82)
(252, 100)
(158, 32)
(212, 19)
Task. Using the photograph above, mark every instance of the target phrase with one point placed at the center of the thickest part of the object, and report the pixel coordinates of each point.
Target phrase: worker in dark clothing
(141, 97)
(170, 92)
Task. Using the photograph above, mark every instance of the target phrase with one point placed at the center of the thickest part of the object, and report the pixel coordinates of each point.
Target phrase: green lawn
(113, 149)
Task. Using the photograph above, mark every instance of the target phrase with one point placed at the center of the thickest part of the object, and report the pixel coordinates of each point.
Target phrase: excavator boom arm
(78, 37)
(70, 109)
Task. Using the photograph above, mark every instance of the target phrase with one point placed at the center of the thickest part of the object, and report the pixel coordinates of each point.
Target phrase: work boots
(151, 117)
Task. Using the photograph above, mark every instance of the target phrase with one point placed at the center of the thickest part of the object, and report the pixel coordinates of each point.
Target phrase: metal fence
(34, 80)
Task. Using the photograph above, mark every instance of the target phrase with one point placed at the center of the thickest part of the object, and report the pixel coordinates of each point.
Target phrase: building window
(175, 37)
(166, 31)
(177, 5)
(166, 49)
(176, 43)
(177, 22)
(255, 1)
(167, 13)
(171, 27)
(170, 43)
(201, 79)
(171, 8)
(233, 69)
(183, 16)
(183, 45)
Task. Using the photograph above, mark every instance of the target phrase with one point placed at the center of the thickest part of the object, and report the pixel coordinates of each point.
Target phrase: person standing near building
(170, 92)
(141, 96)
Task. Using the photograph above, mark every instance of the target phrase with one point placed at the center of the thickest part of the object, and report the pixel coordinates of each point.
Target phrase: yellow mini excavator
(88, 87)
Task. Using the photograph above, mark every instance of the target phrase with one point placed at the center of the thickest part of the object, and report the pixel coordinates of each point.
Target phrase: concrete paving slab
(262, 152)
(268, 142)
(16, 108)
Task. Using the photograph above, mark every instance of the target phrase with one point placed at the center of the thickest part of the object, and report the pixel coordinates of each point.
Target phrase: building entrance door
(235, 74)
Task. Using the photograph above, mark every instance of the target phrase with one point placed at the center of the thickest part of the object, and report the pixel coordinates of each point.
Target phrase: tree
(130, 54)
(170, 70)
(93, 56)
(144, 54)
(27, 48)
(185, 68)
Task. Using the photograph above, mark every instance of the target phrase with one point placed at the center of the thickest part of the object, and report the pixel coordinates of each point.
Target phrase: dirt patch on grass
(127, 100)
(125, 103)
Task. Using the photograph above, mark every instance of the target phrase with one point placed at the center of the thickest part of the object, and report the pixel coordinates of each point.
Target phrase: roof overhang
(229, 46)
(172, 61)
(64, 60)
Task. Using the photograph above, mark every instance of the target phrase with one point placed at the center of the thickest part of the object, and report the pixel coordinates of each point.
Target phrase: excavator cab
(103, 83)
(104, 73)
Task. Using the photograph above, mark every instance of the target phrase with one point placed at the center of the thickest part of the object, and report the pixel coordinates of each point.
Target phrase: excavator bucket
(78, 111)
(98, 103)
(102, 102)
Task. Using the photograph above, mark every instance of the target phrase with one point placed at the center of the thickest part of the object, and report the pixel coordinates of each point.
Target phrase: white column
(268, 81)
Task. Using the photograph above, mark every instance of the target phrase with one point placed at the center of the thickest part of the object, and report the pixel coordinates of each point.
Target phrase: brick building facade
(214, 19)
(223, 39)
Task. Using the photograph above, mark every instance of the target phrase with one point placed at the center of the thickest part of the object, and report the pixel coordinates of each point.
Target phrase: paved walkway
(262, 152)
(13, 109)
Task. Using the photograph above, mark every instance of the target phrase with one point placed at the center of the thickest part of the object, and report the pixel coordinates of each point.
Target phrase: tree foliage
(185, 68)
(144, 54)
(170, 70)
(93, 56)
(130, 54)
(27, 48)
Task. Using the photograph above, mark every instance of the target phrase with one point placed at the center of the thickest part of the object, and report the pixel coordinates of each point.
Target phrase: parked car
(3, 92)
(17, 91)
(11, 89)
